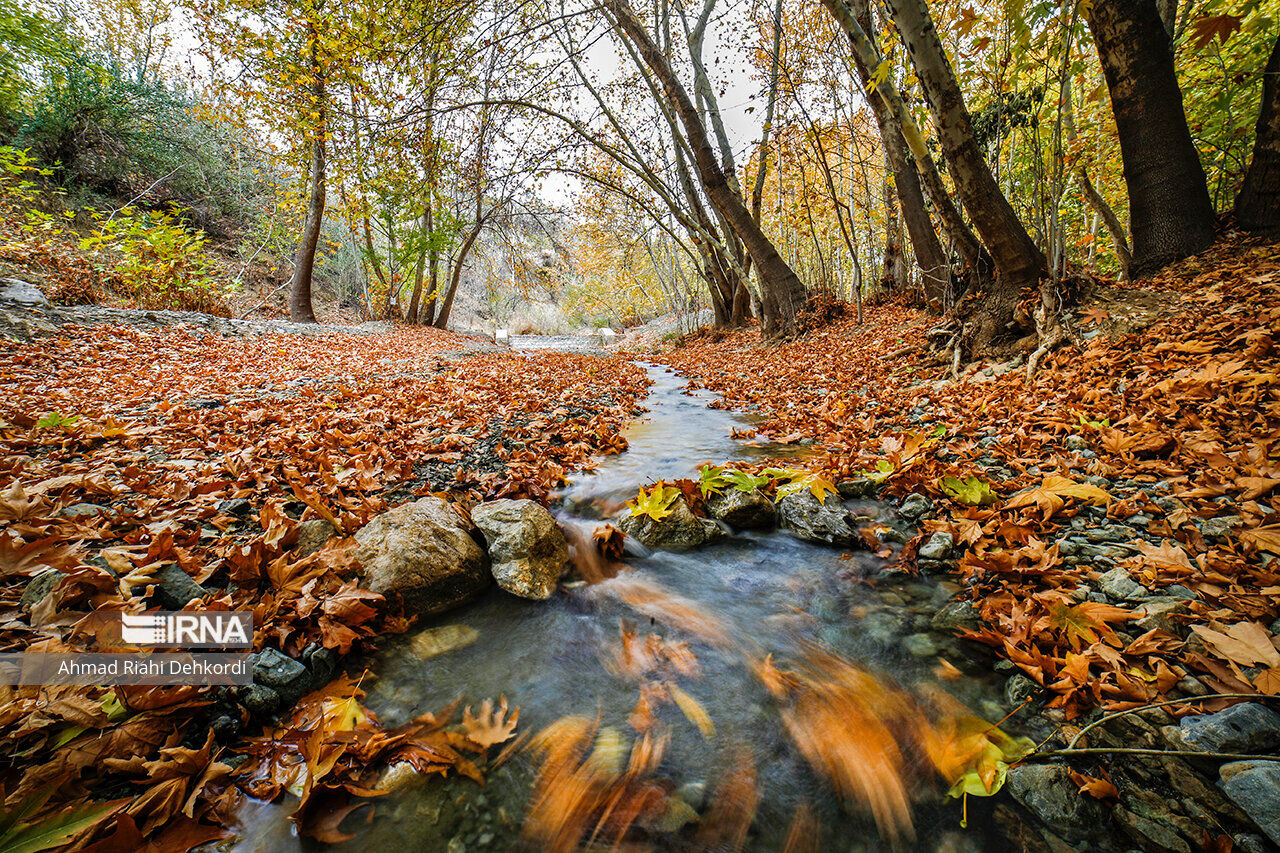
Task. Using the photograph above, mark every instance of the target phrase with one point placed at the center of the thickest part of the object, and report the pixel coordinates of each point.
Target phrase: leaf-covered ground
(124, 453)
(1170, 429)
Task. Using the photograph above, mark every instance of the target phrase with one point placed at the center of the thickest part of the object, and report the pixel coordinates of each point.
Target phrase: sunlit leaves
(655, 502)
(970, 491)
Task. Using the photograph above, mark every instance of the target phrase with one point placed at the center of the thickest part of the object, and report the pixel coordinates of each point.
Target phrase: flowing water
(770, 592)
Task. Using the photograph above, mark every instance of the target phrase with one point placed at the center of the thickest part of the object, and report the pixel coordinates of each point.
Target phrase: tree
(1019, 263)
(300, 310)
(1258, 204)
(1170, 214)
(783, 294)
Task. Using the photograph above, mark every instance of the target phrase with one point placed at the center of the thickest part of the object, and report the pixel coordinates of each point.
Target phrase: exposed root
(1052, 327)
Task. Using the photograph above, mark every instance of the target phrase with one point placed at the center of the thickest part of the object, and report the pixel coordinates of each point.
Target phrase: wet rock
(174, 588)
(1247, 727)
(1117, 584)
(1149, 834)
(421, 552)
(527, 549)
(287, 677)
(16, 291)
(1076, 442)
(938, 547)
(882, 627)
(1018, 689)
(955, 616)
(431, 642)
(322, 665)
(859, 487)
(1048, 792)
(312, 536)
(804, 517)
(743, 510)
(679, 531)
(39, 587)
(1254, 786)
(915, 506)
(920, 645)
(260, 701)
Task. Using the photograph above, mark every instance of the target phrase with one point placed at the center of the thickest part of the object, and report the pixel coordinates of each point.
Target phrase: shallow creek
(774, 594)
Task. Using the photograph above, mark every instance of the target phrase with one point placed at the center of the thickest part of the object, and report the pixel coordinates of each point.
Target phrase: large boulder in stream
(805, 517)
(423, 553)
(526, 547)
(681, 530)
(744, 510)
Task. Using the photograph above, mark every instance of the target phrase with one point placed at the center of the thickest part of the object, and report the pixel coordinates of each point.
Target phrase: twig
(1116, 714)
(154, 184)
(1176, 753)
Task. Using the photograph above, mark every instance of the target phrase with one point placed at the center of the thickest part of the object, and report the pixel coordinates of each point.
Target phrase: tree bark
(1170, 214)
(784, 292)
(300, 309)
(446, 306)
(1258, 205)
(1109, 218)
(1019, 263)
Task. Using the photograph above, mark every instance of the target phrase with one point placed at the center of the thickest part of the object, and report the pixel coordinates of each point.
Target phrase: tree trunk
(1170, 214)
(419, 269)
(915, 164)
(300, 310)
(1019, 263)
(442, 319)
(1109, 218)
(784, 292)
(1258, 205)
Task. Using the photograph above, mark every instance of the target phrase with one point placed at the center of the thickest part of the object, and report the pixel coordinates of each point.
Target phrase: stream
(775, 594)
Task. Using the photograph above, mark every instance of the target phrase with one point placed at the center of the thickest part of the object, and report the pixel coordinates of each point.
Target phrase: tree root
(1053, 328)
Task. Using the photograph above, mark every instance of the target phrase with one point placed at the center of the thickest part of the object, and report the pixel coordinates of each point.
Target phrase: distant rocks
(527, 550)
(421, 553)
(681, 530)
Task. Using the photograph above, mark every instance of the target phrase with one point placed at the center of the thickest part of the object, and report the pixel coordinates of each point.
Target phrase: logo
(220, 629)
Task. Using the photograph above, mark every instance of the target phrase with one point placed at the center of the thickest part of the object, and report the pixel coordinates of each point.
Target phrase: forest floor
(1172, 407)
(1113, 519)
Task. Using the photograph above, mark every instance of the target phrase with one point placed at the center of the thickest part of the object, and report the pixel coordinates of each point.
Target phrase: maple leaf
(655, 503)
(970, 491)
(1244, 643)
(491, 726)
(1051, 495)
(1083, 623)
(1209, 27)
(1094, 315)
(1263, 538)
(1099, 789)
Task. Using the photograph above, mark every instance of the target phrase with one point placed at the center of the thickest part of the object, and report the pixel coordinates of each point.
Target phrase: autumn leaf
(1054, 491)
(1209, 27)
(1244, 643)
(1099, 789)
(655, 503)
(491, 726)
(1083, 623)
(970, 491)
(692, 710)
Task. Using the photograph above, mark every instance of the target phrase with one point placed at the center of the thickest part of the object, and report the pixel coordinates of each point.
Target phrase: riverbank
(1114, 520)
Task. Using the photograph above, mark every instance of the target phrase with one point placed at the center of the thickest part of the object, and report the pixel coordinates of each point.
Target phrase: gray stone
(1150, 835)
(286, 676)
(802, 516)
(312, 536)
(20, 292)
(679, 531)
(955, 616)
(81, 511)
(37, 588)
(174, 588)
(1158, 613)
(743, 510)
(421, 552)
(1254, 786)
(1248, 727)
(1117, 584)
(527, 549)
(260, 700)
(915, 506)
(883, 627)
(1018, 689)
(859, 487)
(1048, 792)
(1076, 442)
(235, 506)
(920, 645)
(938, 547)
